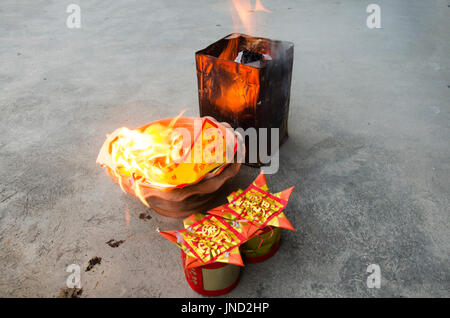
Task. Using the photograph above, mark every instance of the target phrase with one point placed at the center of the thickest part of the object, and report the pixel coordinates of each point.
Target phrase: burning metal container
(246, 81)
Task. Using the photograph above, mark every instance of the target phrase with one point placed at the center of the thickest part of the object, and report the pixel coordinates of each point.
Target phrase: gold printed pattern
(256, 206)
(209, 239)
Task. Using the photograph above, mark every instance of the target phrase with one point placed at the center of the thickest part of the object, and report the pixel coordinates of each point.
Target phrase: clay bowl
(180, 203)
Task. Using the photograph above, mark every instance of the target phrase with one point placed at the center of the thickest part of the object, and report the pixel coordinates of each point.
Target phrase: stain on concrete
(145, 216)
(114, 243)
(70, 292)
(92, 262)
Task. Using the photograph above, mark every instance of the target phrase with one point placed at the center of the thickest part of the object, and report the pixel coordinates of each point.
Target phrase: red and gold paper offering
(212, 244)
(210, 252)
(208, 239)
(257, 206)
(266, 216)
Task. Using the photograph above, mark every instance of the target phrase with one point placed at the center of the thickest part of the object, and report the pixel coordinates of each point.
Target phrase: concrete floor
(368, 149)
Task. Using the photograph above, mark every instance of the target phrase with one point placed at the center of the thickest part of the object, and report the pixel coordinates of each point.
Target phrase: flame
(230, 52)
(242, 90)
(145, 155)
(236, 91)
(158, 156)
(244, 11)
(260, 7)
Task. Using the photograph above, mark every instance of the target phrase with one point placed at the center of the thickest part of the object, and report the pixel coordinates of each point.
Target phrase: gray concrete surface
(368, 148)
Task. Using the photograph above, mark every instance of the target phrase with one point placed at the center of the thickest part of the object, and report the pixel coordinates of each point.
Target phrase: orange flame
(243, 90)
(260, 7)
(230, 52)
(159, 156)
(145, 155)
(244, 11)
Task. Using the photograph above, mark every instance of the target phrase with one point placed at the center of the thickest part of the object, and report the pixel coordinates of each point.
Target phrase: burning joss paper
(208, 239)
(257, 206)
(167, 154)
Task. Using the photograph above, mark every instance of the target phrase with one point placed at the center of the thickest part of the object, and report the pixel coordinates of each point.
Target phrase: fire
(243, 90)
(244, 11)
(260, 7)
(167, 154)
(148, 154)
(230, 52)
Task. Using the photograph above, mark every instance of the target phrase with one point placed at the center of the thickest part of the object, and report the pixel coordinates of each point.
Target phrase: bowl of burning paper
(176, 165)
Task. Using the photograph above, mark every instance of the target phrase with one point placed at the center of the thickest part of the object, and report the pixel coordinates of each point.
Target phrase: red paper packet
(208, 239)
(257, 206)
